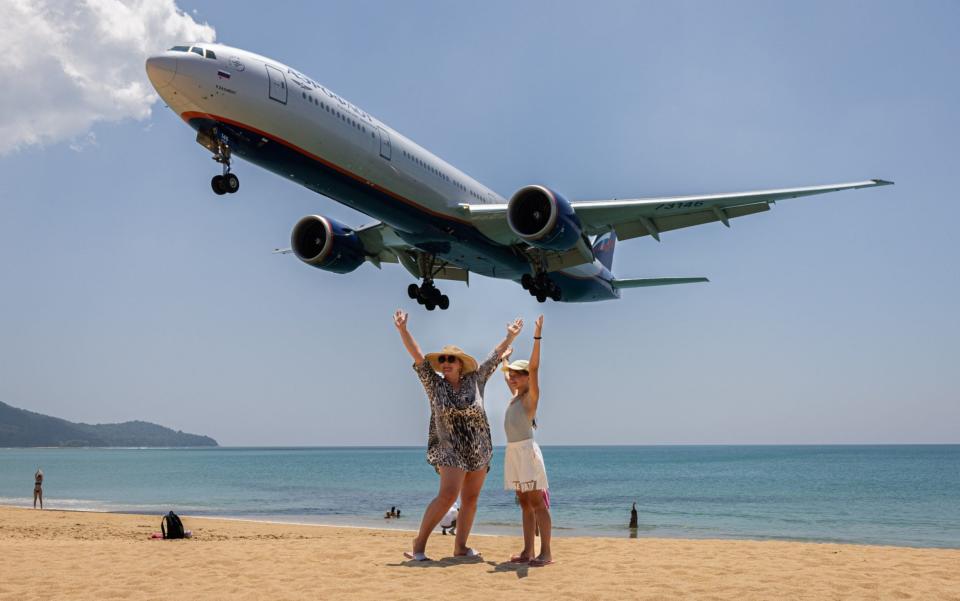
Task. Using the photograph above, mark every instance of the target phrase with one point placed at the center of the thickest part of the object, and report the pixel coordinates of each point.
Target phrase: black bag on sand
(174, 527)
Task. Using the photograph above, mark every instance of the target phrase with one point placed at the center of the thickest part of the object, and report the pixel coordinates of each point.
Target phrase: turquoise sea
(888, 495)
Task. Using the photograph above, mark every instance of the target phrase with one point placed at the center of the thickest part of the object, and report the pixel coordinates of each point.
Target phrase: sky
(129, 291)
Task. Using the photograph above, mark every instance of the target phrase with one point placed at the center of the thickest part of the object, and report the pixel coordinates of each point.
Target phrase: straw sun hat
(469, 363)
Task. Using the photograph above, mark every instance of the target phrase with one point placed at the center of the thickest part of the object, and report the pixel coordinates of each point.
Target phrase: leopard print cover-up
(459, 433)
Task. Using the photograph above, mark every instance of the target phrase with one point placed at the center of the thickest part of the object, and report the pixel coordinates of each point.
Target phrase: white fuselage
(231, 85)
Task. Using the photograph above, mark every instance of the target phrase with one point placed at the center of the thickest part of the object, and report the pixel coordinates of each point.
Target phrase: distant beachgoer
(393, 512)
(459, 444)
(387, 515)
(449, 521)
(397, 514)
(38, 488)
(633, 517)
(524, 471)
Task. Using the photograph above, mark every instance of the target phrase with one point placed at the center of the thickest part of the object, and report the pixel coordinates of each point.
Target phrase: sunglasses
(447, 359)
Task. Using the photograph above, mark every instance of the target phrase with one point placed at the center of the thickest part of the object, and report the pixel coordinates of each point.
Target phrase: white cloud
(69, 64)
(88, 141)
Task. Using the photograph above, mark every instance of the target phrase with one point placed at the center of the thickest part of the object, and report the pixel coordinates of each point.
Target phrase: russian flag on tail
(603, 248)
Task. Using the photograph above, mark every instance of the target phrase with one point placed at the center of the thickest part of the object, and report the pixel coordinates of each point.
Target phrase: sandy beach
(79, 555)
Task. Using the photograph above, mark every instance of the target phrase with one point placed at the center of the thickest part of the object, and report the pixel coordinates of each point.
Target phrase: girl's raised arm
(533, 397)
(400, 320)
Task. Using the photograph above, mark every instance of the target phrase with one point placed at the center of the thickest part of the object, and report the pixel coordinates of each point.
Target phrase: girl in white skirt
(523, 470)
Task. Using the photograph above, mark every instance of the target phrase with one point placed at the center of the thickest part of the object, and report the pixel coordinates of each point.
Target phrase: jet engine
(327, 244)
(543, 218)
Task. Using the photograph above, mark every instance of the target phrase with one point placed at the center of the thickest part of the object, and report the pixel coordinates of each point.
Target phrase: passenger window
(196, 50)
(180, 48)
(210, 54)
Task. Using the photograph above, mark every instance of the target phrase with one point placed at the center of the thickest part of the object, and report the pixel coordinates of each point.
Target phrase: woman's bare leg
(451, 481)
(35, 493)
(469, 494)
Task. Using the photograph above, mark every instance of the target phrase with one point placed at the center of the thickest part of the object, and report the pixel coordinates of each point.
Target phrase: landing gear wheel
(541, 298)
(555, 294)
(413, 291)
(444, 302)
(231, 183)
(218, 185)
(429, 305)
(526, 280)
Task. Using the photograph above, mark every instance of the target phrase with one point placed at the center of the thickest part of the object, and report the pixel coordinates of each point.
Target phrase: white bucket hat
(518, 365)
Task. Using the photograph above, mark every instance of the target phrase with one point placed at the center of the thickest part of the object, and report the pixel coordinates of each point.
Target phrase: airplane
(433, 219)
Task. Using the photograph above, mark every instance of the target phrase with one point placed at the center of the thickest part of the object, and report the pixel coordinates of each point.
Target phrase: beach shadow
(444, 562)
(522, 570)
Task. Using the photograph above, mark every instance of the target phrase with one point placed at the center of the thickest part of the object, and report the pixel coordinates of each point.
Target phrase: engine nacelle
(327, 244)
(543, 218)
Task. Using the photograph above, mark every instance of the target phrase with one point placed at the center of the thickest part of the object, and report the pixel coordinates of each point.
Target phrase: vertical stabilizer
(603, 248)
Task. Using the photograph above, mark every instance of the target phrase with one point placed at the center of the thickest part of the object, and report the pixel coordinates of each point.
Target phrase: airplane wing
(383, 245)
(651, 216)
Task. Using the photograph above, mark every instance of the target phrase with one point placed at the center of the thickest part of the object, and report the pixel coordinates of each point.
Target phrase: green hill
(21, 428)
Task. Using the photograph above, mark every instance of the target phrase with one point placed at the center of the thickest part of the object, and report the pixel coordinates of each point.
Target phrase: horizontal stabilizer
(644, 282)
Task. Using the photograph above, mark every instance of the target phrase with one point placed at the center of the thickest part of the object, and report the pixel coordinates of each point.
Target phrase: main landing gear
(541, 286)
(426, 293)
(228, 183)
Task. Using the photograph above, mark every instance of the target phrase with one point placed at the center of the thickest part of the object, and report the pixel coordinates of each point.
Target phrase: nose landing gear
(227, 183)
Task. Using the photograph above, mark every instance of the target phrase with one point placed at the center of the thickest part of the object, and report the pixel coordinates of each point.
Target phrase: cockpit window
(210, 54)
(196, 50)
(180, 48)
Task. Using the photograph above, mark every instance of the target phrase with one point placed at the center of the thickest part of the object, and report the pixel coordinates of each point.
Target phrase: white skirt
(523, 468)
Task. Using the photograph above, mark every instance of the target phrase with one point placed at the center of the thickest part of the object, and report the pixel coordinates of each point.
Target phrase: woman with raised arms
(458, 444)
(523, 468)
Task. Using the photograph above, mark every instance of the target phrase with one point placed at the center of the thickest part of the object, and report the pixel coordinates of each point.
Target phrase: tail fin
(603, 248)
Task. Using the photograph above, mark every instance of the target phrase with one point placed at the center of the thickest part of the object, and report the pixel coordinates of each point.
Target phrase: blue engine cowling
(327, 244)
(543, 218)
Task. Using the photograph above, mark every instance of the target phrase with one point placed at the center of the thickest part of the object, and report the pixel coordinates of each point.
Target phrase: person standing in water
(38, 488)
(523, 469)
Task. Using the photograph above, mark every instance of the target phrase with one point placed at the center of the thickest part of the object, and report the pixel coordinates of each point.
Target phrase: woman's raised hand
(400, 320)
(513, 329)
(538, 326)
(506, 354)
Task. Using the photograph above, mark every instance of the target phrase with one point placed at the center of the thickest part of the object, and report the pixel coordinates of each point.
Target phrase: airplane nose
(161, 69)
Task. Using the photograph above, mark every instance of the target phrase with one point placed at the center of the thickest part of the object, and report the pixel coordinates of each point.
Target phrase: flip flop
(519, 559)
(539, 563)
(416, 556)
(471, 552)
